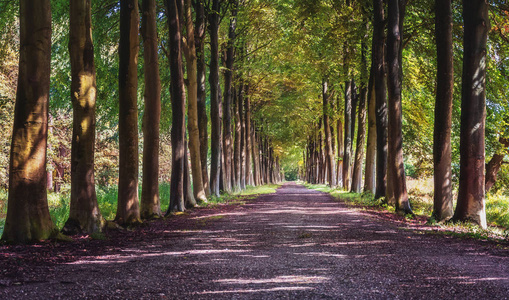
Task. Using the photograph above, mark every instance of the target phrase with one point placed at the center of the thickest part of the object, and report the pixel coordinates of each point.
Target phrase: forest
(125, 111)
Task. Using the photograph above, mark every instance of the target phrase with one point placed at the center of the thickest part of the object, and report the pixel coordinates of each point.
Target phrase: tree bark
(339, 136)
(150, 203)
(84, 214)
(199, 39)
(361, 127)
(227, 99)
(328, 139)
(127, 206)
(28, 217)
(237, 150)
(395, 137)
(494, 165)
(215, 102)
(471, 193)
(442, 199)
(380, 95)
(240, 108)
(192, 106)
(189, 199)
(249, 148)
(347, 135)
(178, 101)
(370, 168)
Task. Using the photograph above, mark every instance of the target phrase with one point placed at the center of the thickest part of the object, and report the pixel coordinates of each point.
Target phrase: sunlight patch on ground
(357, 243)
(276, 289)
(142, 254)
(280, 279)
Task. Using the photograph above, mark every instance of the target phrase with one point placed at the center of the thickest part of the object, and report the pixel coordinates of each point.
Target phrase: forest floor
(296, 243)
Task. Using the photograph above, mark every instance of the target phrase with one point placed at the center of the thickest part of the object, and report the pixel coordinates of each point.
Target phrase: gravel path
(297, 243)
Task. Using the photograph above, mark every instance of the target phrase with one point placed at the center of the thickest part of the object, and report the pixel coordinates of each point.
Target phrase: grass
(421, 199)
(58, 203)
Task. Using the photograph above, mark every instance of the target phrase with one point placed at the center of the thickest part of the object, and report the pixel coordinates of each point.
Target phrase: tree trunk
(84, 214)
(361, 128)
(237, 150)
(328, 139)
(370, 168)
(227, 99)
(442, 200)
(249, 148)
(395, 137)
(471, 206)
(347, 135)
(494, 165)
(28, 218)
(215, 102)
(199, 40)
(256, 155)
(240, 108)
(189, 199)
(178, 101)
(127, 206)
(150, 204)
(380, 95)
(339, 136)
(192, 106)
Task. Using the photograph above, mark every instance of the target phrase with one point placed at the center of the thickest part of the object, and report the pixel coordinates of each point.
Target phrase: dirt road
(297, 244)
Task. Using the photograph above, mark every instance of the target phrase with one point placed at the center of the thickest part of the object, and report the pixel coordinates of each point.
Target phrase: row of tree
(381, 94)
(241, 154)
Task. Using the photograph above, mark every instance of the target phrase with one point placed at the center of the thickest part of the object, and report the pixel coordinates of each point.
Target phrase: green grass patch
(59, 203)
(421, 200)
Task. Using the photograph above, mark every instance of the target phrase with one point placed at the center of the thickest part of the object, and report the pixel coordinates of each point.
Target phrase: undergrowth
(421, 199)
(58, 203)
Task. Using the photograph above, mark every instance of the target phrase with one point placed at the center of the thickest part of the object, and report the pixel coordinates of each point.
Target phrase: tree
(192, 108)
(395, 165)
(201, 97)
(178, 100)
(471, 206)
(329, 155)
(249, 148)
(84, 214)
(378, 61)
(442, 199)
(28, 218)
(347, 153)
(227, 99)
(150, 204)
(370, 168)
(361, 127)
(127, 206)
(215, 102)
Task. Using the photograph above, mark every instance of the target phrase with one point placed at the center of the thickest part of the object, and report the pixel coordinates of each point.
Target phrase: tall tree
(442, 199)
(28, 216)
(192, 105)
(84, 214)
(361, 127)
(249, 149)
(227, 98)
(329, 155)
(237, 146)
(395, 164)
(471, 206)
(378, 57)
(215, 102)
(347, 154)
(178, 102)
(201, 97)
(150, 204)
(370, 168)
(127, 205)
